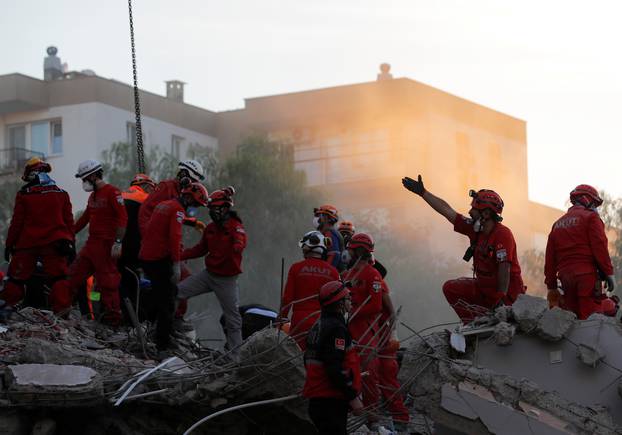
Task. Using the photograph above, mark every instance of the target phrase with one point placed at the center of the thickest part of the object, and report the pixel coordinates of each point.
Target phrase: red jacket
(165, 190)
(224, 244)
(162, 238)
(366, 283)
(577, 244)
(105, 212)
(331, 361)
(491, 250)
(304, 281)
(42, 214)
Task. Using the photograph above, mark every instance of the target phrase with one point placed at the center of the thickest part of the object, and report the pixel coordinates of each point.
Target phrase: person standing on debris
(325, 218)
(304, 280)
(222, 244)
(577, 253)
(333, 379)
(493, 249)
(368, 289)
(160, 254)
(41, 229)
(140, 188)
(106, 216)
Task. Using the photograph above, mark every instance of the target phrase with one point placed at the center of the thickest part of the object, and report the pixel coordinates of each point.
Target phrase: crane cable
(140, 151)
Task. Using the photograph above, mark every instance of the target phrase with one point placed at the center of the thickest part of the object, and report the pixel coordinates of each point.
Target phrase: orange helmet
(485, 198)
(346, 227)
(222, 198)
(198, 192)
(585, 195)
(327, 210)
(140, 179)
(362, 240)
(332, 292)
(35, 164)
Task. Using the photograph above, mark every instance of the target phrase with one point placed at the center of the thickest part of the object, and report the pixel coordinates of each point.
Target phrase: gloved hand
(176, 272)
(7, 254)
(200, 226)
(554, 297)
(610, 283)
(414, 186)
(115, 252)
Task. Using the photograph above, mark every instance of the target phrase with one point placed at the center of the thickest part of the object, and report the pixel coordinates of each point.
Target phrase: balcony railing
(12, 160)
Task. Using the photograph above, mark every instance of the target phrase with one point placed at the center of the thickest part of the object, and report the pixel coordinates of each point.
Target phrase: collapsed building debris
(531, 373)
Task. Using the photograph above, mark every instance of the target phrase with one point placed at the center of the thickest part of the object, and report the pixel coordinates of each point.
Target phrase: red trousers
(368, 342)
(389, 385)
(94, 259)
(580, 296)
(302, 322)
(469, 297)
(22, 266)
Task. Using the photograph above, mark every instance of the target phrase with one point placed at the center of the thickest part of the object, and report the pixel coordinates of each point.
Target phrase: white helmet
(88, 167)
(314, 240)
(194, 168)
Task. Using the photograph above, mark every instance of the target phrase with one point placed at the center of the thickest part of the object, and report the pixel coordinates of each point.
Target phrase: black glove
(7, 254)
(415, 186)
(611, 283)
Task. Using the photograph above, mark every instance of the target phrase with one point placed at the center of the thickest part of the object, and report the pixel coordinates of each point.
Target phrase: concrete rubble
(491, 388)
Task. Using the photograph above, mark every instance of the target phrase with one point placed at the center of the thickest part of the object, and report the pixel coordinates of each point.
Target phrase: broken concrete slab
(527, 311)
(45, 375)
(504, 333)
(555, 324)
(590, 355)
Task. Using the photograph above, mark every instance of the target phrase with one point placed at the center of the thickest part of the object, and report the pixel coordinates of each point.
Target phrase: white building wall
(89, 129)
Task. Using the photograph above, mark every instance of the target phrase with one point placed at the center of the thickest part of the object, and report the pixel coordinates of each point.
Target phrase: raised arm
(438, 204)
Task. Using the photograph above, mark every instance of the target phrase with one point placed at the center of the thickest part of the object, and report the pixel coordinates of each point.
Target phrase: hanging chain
(140, 151)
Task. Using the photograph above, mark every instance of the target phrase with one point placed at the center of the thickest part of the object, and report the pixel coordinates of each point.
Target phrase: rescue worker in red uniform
(576, 252)
(41, 229)
(333, 380)
(140, 188)
(325, 218)
(347, 230)
(367, 289)
(160, 255)
(493, 249)
(106, 216)
(189, 171)
(304, 280)
(222, 244)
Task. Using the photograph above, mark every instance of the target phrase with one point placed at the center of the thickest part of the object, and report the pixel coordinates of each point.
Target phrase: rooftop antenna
(140, 151)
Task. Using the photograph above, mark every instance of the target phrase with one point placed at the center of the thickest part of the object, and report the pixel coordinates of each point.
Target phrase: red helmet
(222, 198)
(585, 195)
(327, 210)
(362, 240)
(609, 306)
(198, 192)
(485, 198)
(140, 179)
(332, 292)
(346, 227)
(35, 164)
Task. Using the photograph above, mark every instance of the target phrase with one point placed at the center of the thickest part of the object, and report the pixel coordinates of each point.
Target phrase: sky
(555, 64)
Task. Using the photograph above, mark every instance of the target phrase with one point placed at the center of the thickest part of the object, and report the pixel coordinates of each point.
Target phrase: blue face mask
(44, 179)
(192, 211)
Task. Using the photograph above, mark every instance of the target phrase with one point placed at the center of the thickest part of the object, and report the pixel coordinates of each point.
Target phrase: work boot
(183, 326)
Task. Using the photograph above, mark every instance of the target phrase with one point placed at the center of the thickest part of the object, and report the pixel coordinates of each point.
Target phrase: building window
(176, 143)
(43, 138)
(131, 133)
(17, 145)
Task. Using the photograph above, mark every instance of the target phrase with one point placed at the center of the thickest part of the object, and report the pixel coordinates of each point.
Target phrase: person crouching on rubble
(333, 379)
(368, 290)
(160, 254)
(493, 249)
(304, 280)
(106, 217)
(41, 229)
(222, 244)
(576, 253)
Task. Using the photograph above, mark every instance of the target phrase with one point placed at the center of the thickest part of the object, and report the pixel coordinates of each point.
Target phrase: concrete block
(555, 324)
(527, 311)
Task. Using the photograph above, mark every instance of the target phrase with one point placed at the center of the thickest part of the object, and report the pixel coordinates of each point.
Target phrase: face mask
(184, 181)
(316, 222)
(192, 211)
(346, 258)
(216, 215)
(44, 178)
(477, 225)
(87, 186)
